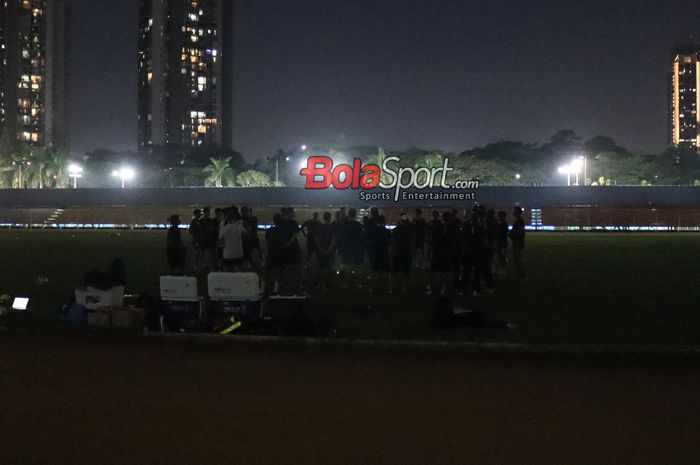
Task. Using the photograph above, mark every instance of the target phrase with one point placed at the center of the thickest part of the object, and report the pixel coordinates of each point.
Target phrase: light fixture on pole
(576, 165)
(75, 171)
(125, 173)
(567, 171)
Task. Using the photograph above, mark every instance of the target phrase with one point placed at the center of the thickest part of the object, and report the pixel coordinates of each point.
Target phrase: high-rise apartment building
(185, 73)
(34, 72)
(684, 101)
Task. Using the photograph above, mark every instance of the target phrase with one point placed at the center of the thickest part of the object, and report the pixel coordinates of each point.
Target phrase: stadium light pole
(567, 171)
(126, 174)
(75, 171)
(577, 164)
(279, 156)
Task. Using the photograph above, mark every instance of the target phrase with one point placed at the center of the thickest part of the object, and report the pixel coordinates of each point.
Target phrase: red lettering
(318, 172)
(340, 182)
(371, 177)
(356, 173)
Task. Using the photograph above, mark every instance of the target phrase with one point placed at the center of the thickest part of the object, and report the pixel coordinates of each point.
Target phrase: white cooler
(178, 288)
(235, 294)
(180, 298)
(234, 286)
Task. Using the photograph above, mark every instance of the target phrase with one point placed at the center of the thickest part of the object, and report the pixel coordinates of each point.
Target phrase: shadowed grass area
(581, 288)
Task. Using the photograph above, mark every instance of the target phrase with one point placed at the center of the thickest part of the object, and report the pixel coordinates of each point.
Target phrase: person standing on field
(175, 250)
(502, 239)
(517, 239)
(420, 232)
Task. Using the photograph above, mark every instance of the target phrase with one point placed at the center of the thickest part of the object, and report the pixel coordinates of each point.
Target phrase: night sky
(448, 74)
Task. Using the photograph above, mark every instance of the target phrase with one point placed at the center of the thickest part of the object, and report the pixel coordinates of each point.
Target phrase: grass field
(581, 288)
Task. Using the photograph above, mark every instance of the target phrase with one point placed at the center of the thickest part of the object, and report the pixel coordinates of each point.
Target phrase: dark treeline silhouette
(501, 163)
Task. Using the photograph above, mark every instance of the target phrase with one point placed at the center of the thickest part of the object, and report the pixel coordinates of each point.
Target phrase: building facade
(34, 76)
(684, 101)
(185, 73)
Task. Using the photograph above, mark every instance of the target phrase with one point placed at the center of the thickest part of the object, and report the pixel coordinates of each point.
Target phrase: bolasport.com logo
(388, 181)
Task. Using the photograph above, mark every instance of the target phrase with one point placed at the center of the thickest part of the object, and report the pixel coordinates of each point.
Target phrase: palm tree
(218, 173)
(55, 161)
(34, 172)
(20, 161)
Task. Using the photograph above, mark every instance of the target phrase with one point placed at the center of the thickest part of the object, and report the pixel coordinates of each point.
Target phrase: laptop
(20, 303)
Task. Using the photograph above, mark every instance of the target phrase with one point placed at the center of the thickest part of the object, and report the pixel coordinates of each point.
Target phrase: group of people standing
(226, 241)
(343, 251)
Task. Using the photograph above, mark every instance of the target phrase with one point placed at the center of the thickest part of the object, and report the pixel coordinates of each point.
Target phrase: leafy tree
(218, 173)
(253, 178)
(599, 144)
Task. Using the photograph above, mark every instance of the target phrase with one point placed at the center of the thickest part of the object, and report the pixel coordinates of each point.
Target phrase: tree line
(503, 163)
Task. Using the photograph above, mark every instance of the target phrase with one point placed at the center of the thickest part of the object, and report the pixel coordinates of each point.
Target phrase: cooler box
(235, 294)
(287, 316)
(181, 306)
(234, 286)
(242, 310)
(177, 288)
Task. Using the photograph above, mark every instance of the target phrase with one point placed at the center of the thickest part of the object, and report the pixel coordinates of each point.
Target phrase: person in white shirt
(231, 236)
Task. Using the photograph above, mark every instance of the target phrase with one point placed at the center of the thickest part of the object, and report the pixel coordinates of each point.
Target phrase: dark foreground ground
(87, 400)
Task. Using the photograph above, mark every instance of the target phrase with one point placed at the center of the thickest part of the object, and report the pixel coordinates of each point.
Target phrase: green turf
(581, 288)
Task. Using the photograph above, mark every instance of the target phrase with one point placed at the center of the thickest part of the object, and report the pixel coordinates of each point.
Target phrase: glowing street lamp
(126, 174)
(577, 164)
(75, 171)
(568, 170)
(517, 177)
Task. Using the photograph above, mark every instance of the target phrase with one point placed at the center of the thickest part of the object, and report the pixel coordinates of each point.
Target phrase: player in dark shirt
(517, 238)
(218, 220)
(208, 240)
(452, 238)
(467, 252)
(274, 266)
(440, 255)
(293, 272)
(251, 239)
(402, 247)
(377, 238)
(502, 239)
(175, 250)
(310, 230)
(326, 241)
(429, 236)
(196, 238)
(351, 248)
(420, 232)
(482, 252)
